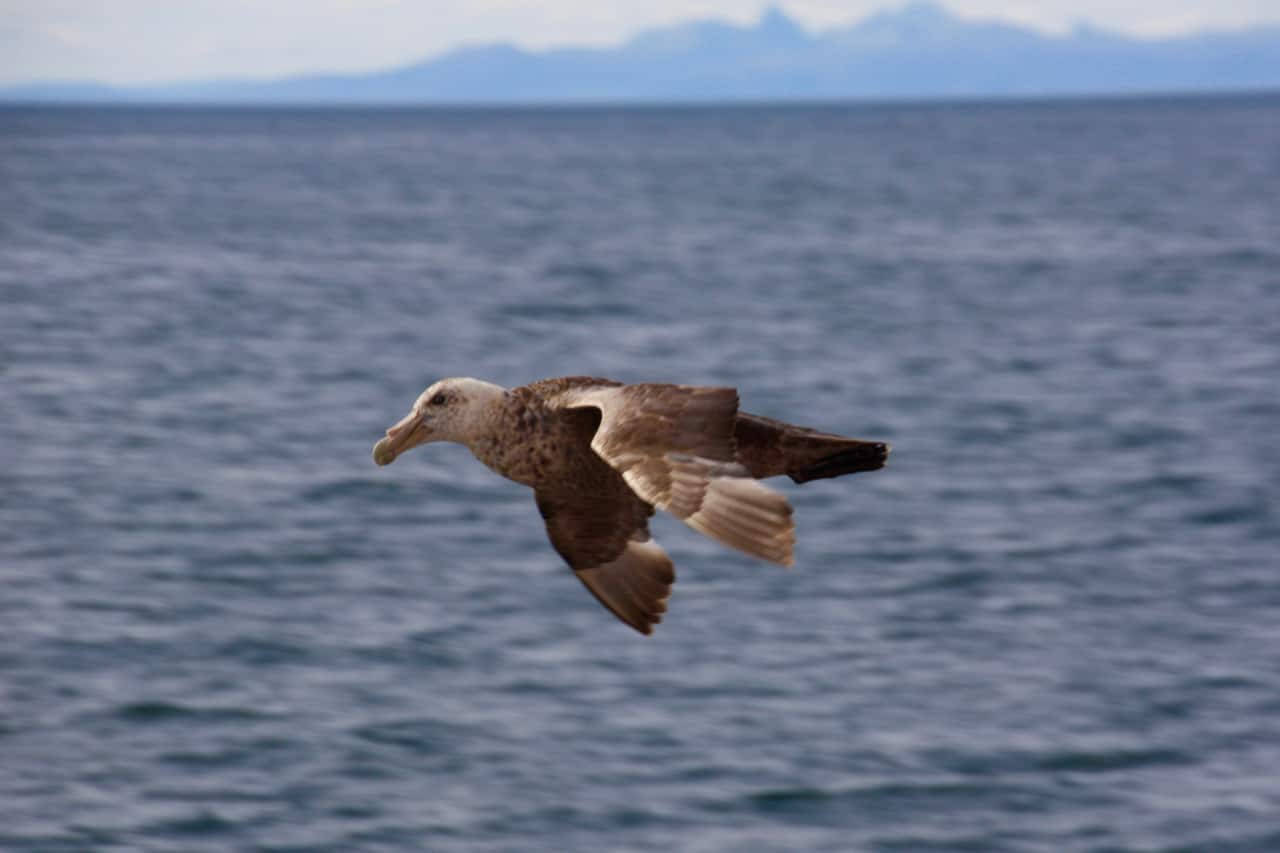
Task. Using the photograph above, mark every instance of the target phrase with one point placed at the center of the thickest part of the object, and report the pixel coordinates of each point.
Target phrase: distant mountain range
(917, 51)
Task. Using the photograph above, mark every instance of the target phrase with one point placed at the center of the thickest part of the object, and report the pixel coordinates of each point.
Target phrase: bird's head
(449, 410)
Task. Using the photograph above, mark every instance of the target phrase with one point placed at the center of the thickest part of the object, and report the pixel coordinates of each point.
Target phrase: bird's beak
(409, 433)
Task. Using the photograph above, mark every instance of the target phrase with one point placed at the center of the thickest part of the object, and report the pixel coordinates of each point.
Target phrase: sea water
(1051, 623)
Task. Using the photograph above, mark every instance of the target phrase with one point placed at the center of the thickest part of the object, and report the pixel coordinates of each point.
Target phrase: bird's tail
(769, 448)
(832, 456)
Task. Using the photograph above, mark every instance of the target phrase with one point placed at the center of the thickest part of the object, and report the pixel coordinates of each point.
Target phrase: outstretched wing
(674, 445)
(603, 535)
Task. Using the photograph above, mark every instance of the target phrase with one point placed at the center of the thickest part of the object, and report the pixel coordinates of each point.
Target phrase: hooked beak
(407, 434)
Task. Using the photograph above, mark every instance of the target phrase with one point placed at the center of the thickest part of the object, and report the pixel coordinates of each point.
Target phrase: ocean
(1052, 623)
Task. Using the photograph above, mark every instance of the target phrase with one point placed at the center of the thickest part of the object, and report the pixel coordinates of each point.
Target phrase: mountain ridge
(919, 50)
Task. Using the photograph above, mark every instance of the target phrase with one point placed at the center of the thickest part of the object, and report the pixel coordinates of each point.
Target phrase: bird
(600, 455)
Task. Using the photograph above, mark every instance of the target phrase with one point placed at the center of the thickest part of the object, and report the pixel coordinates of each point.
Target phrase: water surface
(1050, 624)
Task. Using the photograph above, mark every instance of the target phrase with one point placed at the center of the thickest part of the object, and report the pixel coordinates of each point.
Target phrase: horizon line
(639, 104)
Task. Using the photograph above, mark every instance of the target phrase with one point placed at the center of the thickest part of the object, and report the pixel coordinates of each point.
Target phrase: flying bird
(600, 455)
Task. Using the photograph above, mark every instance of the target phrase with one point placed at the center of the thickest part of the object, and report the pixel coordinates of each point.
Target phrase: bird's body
(601, 455)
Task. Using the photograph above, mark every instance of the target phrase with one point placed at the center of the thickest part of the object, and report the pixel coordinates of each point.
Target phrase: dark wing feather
(603, 535)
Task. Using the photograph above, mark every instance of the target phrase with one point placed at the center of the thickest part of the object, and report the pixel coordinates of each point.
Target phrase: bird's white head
(450, 410)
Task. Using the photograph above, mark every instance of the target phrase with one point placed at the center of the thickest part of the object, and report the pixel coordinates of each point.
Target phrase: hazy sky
(129, 41)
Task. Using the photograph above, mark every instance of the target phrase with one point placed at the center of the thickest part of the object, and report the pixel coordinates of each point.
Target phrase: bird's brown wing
(674, 446)
(603, 534)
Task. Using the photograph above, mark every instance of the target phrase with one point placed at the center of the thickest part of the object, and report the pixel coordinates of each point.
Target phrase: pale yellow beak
(407, 434)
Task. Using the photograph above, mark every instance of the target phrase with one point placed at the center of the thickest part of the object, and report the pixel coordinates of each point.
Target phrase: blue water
(1052, 623)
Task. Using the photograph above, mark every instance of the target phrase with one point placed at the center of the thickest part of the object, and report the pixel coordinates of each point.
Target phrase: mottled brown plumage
(600, 456)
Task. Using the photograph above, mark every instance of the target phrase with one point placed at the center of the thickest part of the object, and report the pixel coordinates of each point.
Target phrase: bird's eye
(437, 400)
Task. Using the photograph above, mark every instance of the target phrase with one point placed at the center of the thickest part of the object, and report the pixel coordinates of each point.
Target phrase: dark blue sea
(1052, 623)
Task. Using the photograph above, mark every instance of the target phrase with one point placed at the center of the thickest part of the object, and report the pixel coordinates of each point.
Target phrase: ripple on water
(199, 823)
(250, 752)
(1231, 514)
(420, 735)
(354, 490)
(1062, 761)
(834, 807)
(147, 712)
